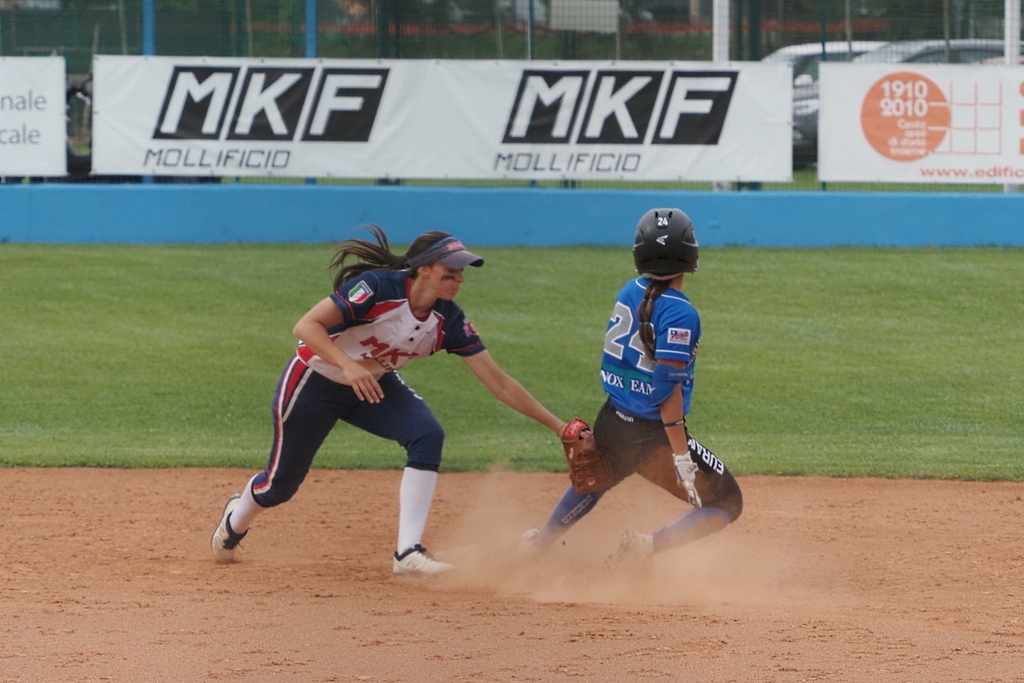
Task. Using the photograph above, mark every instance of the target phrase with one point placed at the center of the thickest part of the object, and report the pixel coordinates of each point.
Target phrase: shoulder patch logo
(468, 329)
(678, 335)
(360, 293)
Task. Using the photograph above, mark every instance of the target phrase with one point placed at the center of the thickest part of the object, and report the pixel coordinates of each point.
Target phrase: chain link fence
(678, 30)
(475, 29)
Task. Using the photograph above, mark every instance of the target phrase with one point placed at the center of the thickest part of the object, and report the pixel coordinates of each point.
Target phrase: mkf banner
(442, 119)
(922, 123)
(33, 128)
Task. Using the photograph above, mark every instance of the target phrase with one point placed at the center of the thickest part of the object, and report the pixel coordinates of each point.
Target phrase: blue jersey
(626, 371)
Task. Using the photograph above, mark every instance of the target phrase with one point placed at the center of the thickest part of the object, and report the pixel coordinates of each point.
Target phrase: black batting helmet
(665, 243)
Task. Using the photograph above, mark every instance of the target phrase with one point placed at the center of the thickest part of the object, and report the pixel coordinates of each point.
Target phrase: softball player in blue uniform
(647, 369)
(386, 311)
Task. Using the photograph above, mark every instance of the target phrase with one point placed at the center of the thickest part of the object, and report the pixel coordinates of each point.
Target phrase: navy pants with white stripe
(306, 407)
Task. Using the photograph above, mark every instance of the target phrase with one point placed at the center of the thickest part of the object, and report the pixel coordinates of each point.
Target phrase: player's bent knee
(727, 497)
(424, 451)
(276, 495)
(732, 503)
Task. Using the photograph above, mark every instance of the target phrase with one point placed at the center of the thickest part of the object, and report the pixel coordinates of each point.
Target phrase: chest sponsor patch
(678, 335)
(360, 293)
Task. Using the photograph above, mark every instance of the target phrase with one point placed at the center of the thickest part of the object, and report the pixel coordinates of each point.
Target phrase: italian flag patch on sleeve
(360, 293)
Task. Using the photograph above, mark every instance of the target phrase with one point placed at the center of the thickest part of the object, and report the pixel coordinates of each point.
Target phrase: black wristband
(674, 424)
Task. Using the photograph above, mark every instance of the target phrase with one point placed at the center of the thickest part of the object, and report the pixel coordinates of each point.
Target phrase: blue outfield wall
(242, 212)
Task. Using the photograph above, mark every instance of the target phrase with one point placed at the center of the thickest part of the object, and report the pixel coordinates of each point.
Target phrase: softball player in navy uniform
(386, 311)
(650, 351)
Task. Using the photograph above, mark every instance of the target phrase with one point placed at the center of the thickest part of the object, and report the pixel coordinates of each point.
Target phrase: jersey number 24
(621, 324)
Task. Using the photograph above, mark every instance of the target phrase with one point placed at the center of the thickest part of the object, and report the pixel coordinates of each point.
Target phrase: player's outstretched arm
(510, 392)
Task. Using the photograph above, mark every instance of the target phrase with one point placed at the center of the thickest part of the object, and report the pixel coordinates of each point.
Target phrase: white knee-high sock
(242, 516)
(414, 498)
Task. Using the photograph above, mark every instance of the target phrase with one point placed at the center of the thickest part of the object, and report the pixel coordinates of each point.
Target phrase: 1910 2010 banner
(922, 123)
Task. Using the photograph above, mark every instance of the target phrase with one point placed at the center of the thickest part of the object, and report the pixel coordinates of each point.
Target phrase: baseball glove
(589, 469)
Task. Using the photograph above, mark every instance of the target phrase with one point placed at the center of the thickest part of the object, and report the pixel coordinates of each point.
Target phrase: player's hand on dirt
(686, 471)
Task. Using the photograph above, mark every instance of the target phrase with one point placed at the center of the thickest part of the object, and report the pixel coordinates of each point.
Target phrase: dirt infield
(105, 575)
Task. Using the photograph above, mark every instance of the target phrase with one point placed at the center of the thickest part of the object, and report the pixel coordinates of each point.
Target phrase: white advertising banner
(921, 123)
(442, 119)
(33, 127)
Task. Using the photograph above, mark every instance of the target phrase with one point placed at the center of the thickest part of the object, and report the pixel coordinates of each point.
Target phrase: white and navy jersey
(378, 322)
(626, 370)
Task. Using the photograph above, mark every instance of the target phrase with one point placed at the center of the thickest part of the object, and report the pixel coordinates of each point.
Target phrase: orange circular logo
(905, 116)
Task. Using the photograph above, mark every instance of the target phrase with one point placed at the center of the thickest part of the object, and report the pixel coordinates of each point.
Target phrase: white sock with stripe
(414, 497)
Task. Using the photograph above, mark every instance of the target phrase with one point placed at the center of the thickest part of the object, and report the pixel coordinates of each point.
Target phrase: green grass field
(839, 362)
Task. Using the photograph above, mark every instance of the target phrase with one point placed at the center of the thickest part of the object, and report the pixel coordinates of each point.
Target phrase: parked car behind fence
(805, 57)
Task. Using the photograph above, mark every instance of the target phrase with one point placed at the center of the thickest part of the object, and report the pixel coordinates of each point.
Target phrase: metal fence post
(529, 31)
(754, 33)
(311, 27)
(148, 42)
(823, 7)
(754, 48)
(824, 50)
(383, 24)
(720, 31)
(529, 46)
(149, 27)
(1011, 32)
(239, 32)
(720, 52)
(311, 49)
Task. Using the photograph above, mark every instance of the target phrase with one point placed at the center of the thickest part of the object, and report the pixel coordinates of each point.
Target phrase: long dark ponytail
(645, 312)
(377, 255)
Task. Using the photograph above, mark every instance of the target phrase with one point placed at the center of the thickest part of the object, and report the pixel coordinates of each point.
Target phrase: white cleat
(529, 540)
(417, 561)
(530, 545)
(224, 541)
(635, 550)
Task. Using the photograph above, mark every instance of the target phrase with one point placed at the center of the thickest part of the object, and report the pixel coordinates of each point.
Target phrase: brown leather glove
(589, 469)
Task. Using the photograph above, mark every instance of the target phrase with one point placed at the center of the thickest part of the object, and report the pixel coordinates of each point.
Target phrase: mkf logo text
(621, 107)
(271, 104)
